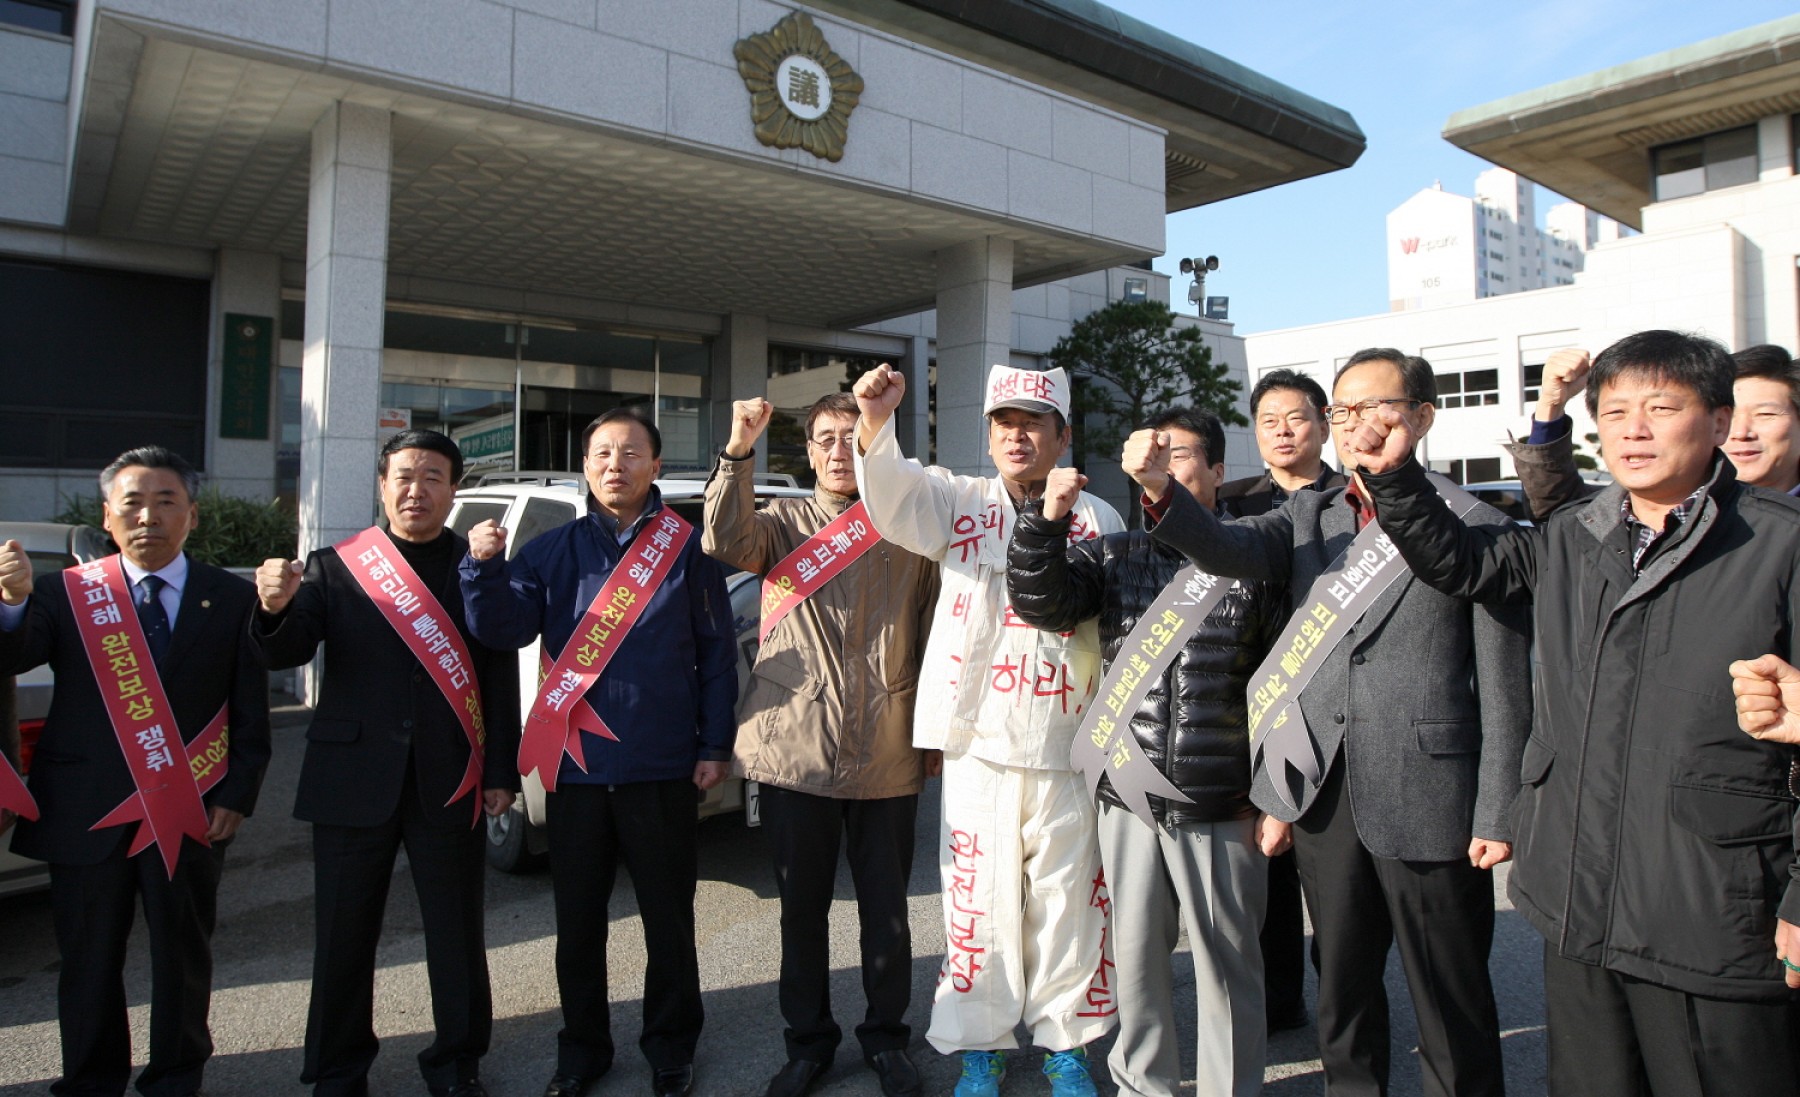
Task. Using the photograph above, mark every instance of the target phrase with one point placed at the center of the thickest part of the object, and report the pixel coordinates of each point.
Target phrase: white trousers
(1026, 912)
(1211, 879)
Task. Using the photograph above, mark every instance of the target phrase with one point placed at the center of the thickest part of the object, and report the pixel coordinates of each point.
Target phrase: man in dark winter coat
(1201, 867)
(1656, 844)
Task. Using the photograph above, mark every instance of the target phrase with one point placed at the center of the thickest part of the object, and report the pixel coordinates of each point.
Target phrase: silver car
(52, 548)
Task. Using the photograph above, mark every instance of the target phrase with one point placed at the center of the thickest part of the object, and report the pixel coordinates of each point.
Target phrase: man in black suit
(1287, 409)
(391, 761)
(190, 618)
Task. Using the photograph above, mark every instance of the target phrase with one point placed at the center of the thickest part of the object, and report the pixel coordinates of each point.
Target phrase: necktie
(154, 618)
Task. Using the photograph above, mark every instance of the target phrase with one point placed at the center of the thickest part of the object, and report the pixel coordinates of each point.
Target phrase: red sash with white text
(816, 562)
(167, 801)
(556, 721)
(14, 796)
(433, 638)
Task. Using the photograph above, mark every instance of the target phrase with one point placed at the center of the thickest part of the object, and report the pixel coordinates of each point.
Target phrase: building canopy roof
(194, 128)
(1231, 130)
(1589, 138)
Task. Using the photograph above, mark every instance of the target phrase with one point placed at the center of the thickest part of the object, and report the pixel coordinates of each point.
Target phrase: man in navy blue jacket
(664, 700)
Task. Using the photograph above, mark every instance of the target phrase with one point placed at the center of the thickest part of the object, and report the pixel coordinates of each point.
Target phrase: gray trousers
(1211, 879)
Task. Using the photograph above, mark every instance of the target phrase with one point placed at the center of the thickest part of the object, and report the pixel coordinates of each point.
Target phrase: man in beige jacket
(825, 726)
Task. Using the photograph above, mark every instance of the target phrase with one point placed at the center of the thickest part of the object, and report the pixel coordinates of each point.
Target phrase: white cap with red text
(1036, 391)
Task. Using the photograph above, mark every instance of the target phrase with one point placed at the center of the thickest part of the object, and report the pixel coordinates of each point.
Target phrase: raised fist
(15, 573)
(749, 418)
(878, 393)
(276, 582)
(1061, 488)
(487, 540)
(1384, 440)
(1767, 689)
(1146, 460)
(1565, 375)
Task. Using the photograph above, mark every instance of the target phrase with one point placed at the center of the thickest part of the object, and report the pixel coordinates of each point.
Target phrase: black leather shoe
(899, 1078)
(796, 1078)
(673, 1081)
(567, 1085)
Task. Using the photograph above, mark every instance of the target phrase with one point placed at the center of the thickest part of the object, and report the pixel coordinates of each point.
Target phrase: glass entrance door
(517, 396)
(570, 376)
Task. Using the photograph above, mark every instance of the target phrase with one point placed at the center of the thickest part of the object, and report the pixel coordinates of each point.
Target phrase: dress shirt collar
(174, 573)
(1643, 536)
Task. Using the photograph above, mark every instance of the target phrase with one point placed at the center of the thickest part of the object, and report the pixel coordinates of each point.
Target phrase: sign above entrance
(801, 93)
(248, 363)
(486, 443)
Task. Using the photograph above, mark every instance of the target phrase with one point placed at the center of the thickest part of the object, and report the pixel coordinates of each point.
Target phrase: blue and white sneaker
(1068, 1073)
(981, 1074)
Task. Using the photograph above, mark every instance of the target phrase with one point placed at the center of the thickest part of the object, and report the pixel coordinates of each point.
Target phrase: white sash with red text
(433, 638)
(556, 721)
(167, 801)
(818, 560)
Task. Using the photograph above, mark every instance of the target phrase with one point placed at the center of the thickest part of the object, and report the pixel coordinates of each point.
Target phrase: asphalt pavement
(263, 956)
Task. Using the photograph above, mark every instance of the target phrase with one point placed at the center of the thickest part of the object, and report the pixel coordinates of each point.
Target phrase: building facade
(264, 234)
(1698, 148)
(1445, 249)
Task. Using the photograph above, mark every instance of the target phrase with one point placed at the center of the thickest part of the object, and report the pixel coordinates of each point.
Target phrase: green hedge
(233, 532)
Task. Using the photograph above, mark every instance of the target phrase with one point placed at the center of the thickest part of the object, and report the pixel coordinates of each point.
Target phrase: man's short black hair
(1677, 357)
(835, 404)
(1201, 423)
(1416, 377)
(1770, 363)
(152, 457)
(627, 414)
(429, 440)
(1288, 379)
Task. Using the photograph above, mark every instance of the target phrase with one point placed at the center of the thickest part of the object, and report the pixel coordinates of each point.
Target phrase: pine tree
(1130, 361)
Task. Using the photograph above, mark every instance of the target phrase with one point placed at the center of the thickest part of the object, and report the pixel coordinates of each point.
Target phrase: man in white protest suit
(1025, 903)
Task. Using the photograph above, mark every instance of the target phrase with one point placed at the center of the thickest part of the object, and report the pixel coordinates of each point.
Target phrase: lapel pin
(206, 603)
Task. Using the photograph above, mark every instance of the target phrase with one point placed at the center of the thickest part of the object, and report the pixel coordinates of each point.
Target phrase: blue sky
(1312, 251)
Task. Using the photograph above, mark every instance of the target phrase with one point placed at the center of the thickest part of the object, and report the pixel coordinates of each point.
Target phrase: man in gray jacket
(825, 727)
(1418, 711)
(1659, 848)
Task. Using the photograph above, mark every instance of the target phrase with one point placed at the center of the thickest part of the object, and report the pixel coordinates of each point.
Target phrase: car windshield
(48, 563)
(472, 512)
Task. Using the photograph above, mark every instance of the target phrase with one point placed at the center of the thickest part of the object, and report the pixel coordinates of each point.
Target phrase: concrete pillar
(245, 283)
(1777, 322)
(346, 292)
(1775, 146)
(912, 423)
(974, 332)
(740, 371)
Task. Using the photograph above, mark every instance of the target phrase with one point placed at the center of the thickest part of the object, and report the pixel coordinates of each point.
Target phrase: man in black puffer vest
(1203, 865)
